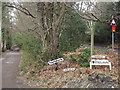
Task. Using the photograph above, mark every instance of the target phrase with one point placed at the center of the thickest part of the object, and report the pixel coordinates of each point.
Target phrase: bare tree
(45, 23)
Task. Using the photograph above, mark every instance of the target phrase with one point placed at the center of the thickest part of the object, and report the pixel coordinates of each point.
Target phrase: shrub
(84, 64)
(74, 59)
(73, 32)
(31, 48)
(82, 59)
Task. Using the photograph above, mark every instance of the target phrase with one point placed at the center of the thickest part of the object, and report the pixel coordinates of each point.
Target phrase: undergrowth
(83, 57)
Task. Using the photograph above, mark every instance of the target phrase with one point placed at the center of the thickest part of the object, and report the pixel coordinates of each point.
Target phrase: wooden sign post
(56, 61)
(1, 42)
(0, 25)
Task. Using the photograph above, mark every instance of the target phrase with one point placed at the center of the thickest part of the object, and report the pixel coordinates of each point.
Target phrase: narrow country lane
(103, 48)
(10, 70)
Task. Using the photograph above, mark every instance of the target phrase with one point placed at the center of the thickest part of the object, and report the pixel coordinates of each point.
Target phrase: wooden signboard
(69, 69)
(99, 60)
(55, 61)
(93, 61)
(98, 56)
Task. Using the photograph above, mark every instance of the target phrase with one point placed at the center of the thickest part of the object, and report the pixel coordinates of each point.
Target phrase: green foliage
(72, 32)
(29, 43)
(84, 64)
(26, 60)
(3, 39)
(102, 33)
(103, 30)
(31, 48)
(6, 30)
(85, 53)
(82, 59)
(74, 58)
(8, 40)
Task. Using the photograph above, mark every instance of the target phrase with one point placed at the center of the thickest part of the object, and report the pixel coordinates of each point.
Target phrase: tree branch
(88, 17)
(96, 17)
(20, 8)
(80, 14)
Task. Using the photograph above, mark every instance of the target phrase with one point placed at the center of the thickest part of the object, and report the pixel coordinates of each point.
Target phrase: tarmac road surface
(10, 70)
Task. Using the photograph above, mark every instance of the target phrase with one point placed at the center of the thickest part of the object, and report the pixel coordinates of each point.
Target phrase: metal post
(112, 40)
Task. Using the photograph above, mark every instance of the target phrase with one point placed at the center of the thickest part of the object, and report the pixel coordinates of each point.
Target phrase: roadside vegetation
(46, 31)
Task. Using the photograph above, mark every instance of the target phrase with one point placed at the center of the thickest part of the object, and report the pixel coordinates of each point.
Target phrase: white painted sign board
(69, 69)
(93, 61)
(55, 61)
(101, 61)
(97, 56)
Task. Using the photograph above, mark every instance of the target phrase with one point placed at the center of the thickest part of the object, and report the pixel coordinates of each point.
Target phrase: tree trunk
(92, 37)
(3, 44)
(49, 28)
(8, 40)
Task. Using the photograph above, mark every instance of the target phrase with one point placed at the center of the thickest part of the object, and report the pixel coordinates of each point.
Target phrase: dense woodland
(45, 30)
